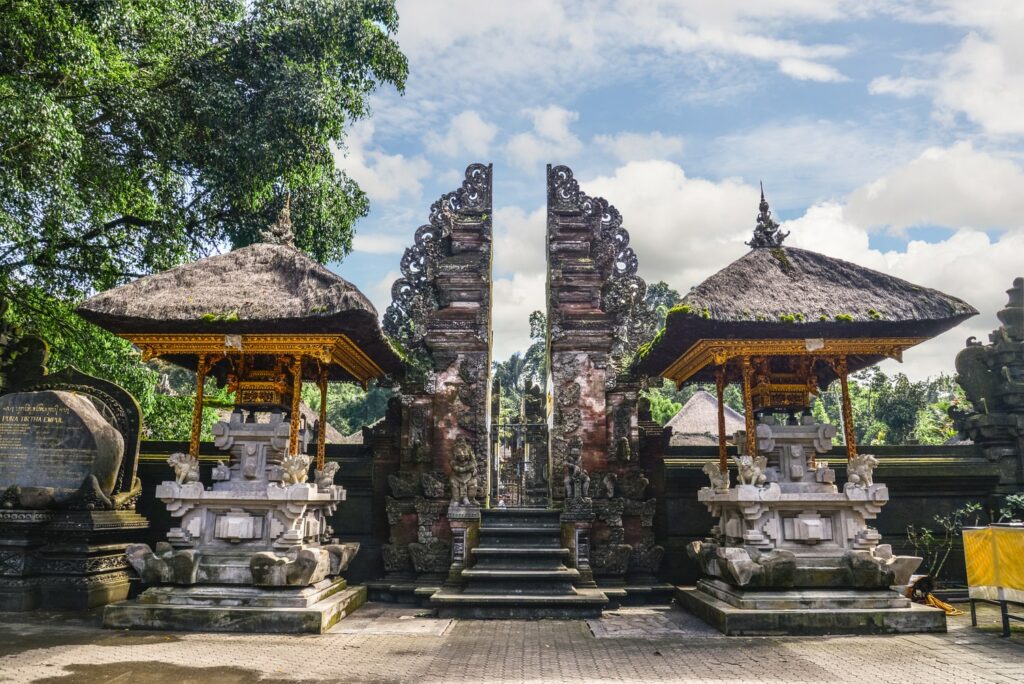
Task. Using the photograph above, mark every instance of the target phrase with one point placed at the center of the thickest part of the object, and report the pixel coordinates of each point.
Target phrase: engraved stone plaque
(51, 442)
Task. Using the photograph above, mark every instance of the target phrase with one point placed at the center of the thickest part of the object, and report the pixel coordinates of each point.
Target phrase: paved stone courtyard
(382, 643)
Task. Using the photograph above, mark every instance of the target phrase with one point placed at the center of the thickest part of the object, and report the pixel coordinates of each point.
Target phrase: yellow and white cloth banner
(995, 563)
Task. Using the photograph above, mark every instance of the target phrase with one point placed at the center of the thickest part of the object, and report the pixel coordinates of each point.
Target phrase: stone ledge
(733, 621)
(316, 619)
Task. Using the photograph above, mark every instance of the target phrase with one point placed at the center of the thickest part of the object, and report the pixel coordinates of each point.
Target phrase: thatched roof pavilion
(786, 321)
(262, 319)
(786, 292)
(259, 289)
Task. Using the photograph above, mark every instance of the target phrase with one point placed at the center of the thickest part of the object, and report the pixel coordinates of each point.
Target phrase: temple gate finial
(766, 233)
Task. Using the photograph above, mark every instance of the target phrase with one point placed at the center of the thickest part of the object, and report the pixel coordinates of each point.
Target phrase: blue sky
(886, 133)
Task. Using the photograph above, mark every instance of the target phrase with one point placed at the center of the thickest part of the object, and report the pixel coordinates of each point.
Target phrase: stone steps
(520, 570)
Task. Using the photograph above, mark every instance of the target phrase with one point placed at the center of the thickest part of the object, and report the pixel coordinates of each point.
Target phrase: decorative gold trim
(321, 428)
(337, 349)
(848, 433)
(723, 458)
(293, 429)
(706, 353)
(748, 407)
(197, 407)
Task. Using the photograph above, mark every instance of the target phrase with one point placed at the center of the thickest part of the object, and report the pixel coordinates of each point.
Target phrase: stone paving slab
(378, 619)
(650, 621)
(633, 644)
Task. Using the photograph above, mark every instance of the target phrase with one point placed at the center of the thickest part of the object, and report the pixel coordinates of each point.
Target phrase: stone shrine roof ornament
(767, 232)
(280, 232)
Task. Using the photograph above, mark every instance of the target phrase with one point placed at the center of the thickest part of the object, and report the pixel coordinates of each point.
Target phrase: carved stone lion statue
(750, 469)
(719, 478)
(325, 478)
(186, 467)
(295, 469)
(861, 470)
(464, 473)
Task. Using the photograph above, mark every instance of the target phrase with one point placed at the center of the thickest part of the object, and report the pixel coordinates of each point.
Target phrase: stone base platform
(585, 603)
(221, 608)
(65, 560)
(808, 613)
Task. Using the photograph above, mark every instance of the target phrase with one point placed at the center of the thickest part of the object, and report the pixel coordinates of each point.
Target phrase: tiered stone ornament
(791, 551)
(992, 376)
(254, 551)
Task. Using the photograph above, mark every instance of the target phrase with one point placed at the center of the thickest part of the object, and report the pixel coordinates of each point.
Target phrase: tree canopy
(137, 134)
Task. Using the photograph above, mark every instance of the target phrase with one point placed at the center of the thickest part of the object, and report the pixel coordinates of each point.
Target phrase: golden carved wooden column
(748, 407)
(321, 428)
(848, 432)
(293, 431)
(202, 366)
(723, 461)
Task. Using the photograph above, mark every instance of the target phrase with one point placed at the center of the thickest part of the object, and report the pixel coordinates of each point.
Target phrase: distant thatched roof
(696, 423)
(785, 292)
(261, 288)
(331, 434)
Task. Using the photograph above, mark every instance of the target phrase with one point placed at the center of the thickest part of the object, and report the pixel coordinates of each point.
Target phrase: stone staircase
(519, 570)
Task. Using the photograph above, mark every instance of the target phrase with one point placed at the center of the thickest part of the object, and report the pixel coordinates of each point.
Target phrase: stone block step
(583, 604)
(522, 530)
(521, 575)
(521, 551)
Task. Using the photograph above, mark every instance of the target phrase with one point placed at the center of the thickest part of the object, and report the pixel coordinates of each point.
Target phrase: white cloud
(380, 291)
(467, 133)
(804, 70)
(955, 186)
(519, 241)
(514, 299)
(550, 140)
(903, 87)
(382, 176)
(629, 146)
(371, 243)
(501, 54)
(983, 77)
(683, 229)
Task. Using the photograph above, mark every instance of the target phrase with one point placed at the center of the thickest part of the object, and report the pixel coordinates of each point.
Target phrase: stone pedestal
(253, 546)
(577, 520)
(793, 554)
(65, 560)
(465, 526)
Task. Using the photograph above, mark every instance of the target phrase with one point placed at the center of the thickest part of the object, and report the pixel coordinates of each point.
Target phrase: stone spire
(766, 233)
(280, 232)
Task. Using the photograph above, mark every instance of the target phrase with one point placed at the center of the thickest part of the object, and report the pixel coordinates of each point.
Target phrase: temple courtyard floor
(384, 643)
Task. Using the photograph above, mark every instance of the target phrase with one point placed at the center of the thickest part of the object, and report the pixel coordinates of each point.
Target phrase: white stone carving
(861, 469)
(719, 479)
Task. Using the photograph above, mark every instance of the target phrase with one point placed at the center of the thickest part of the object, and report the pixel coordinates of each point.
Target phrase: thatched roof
(262, 288)
(696, 423)
(785, 292)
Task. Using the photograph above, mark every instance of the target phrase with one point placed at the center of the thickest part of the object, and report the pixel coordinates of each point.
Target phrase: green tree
(136, 134)
(139, 134)
(349, 406)
(660, 298)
